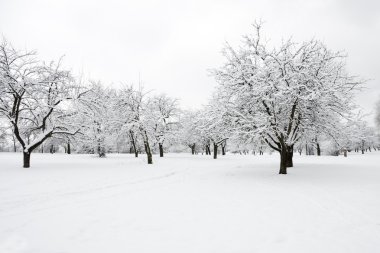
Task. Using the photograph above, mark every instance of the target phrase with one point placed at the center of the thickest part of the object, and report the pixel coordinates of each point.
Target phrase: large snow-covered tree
(34, 98)
(281, 92)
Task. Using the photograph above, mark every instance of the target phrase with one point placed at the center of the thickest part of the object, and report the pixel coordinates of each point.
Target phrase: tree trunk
(224, 145)
(283, 162)
(193, 149)
(289, 156)
(148, 152)
(362, 147)
(345, 153)
(208, 151)
(14, 144)
(161, 149)
(26, 159)
(134, 144)
(318, 150)
(215, 151)
(101, 151)
(68, 148)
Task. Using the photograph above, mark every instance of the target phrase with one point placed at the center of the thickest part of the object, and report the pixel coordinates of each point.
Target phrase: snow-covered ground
(184, 203)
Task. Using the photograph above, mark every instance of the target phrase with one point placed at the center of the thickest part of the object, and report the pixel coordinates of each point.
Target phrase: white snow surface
(183, 203)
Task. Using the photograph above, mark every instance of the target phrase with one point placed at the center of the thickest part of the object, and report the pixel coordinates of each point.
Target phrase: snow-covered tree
(279, 93)
(188, 131)
(96, 114)
(165, 114)
(34, 98)
(138, 118)
(213, 122)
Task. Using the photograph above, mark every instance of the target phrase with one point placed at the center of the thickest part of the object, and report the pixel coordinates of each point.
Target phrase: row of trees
(292, 98)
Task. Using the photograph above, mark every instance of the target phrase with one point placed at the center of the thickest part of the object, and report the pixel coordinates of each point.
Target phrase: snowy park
(203, 126)
(185, 203)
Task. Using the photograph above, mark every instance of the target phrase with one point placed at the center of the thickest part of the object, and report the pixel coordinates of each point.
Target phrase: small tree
(165, 113)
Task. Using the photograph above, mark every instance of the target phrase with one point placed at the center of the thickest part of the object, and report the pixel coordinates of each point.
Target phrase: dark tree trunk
(208, 151)
(215, 151)
(345, 152)
(133, 144)
(68, 148)
(14, 145)
(26, 159)
(318, 150)
(362, 147)
(192, 149)
(289, 156)
(224, 145)
(161, 149)
(283, 162)
(101, 151)
(148, 152)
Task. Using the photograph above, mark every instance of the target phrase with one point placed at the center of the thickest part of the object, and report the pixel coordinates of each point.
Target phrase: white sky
(172, 44)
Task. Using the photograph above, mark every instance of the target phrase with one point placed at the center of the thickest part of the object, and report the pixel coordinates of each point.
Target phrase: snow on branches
(35, 98)
(280, 93)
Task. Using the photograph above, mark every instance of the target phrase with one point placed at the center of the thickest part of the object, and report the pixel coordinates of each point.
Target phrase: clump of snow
(184, 203)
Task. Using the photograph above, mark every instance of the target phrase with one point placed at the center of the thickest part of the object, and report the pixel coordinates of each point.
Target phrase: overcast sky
(172, 44)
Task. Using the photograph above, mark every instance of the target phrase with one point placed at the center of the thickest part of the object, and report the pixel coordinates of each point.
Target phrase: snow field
(184, 203)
